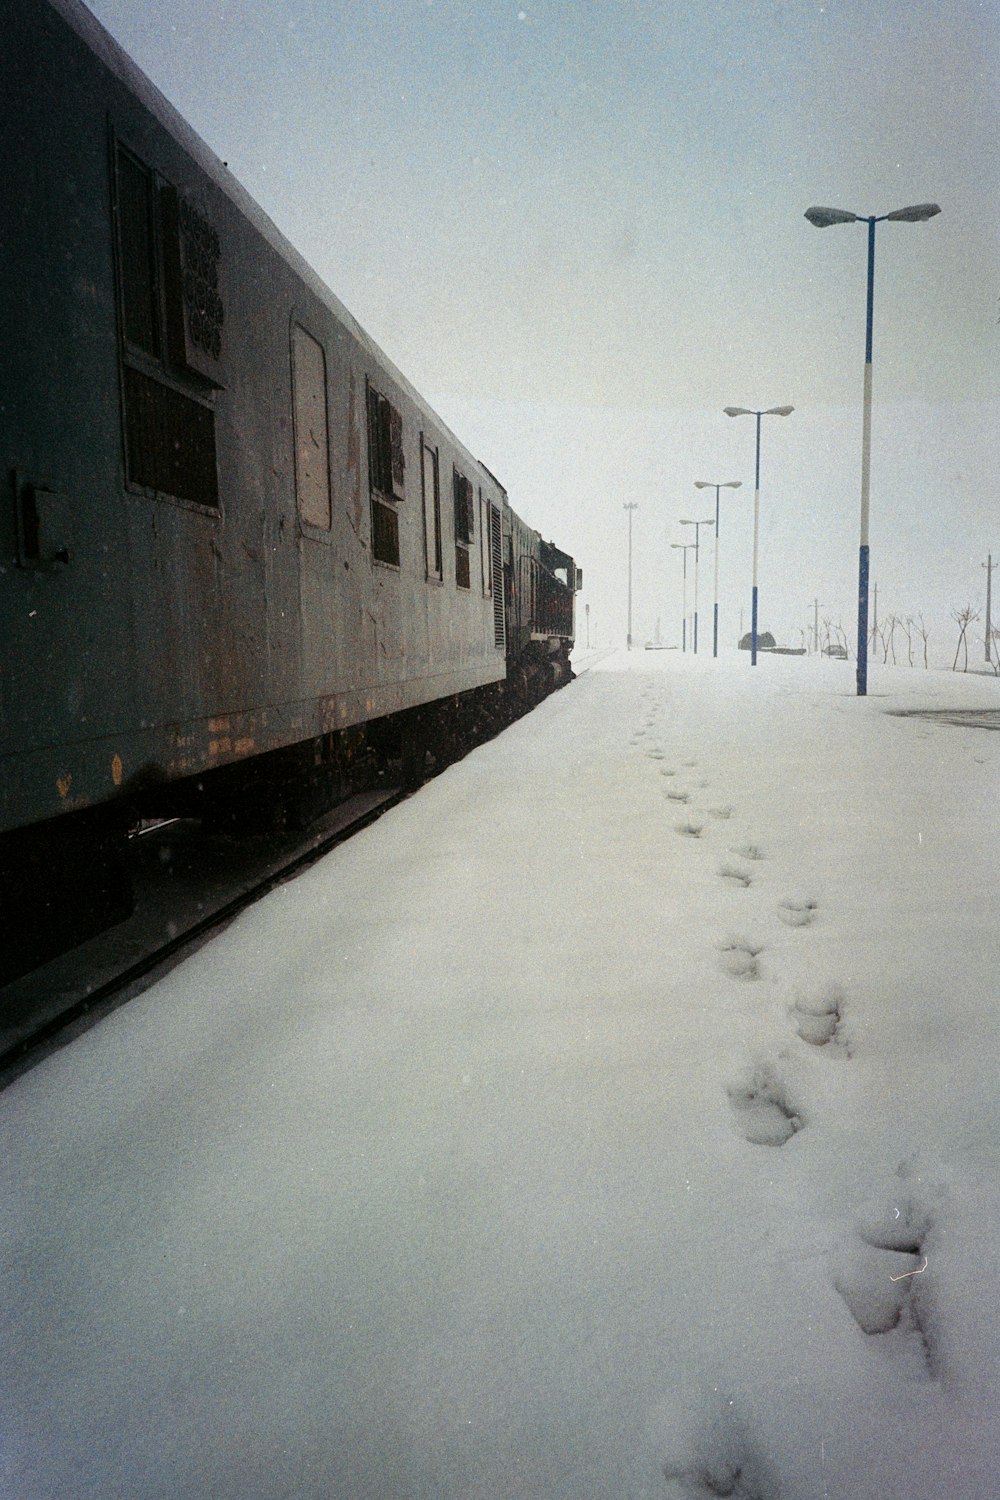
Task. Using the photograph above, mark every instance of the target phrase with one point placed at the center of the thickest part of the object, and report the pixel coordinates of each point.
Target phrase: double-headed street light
(685, 548)
(822, 218)
(707, 484)
(697, 527)
(743, 411)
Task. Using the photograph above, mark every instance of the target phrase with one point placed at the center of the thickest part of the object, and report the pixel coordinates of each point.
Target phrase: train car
(239, 554)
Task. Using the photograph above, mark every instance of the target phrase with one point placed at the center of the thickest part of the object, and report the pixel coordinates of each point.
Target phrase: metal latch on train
(44, 525)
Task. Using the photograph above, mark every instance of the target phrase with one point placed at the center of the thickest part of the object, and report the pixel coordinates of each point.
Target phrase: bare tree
(908, 627)
(995, 649)
(887, 634)
(923, 632)
(963, 619)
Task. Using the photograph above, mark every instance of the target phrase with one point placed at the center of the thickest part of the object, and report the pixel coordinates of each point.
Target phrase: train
(243, 565)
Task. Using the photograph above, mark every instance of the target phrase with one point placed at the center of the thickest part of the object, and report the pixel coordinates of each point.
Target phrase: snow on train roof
(124, 67)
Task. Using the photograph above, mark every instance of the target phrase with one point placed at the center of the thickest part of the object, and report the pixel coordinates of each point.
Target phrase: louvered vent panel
(496, 569)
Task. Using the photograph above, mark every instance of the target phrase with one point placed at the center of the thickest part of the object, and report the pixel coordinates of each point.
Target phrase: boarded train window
(312, 446)
(168, 417)
(464, 529)
(387, 474)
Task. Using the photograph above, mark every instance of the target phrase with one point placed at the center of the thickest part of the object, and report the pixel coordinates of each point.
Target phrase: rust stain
(245, 745)
(221, 746)
(116, 770)
(63, 784)
(218, 726)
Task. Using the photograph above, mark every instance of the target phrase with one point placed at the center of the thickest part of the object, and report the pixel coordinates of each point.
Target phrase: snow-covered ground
(616, 1118)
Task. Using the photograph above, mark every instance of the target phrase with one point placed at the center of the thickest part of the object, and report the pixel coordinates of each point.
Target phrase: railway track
(188, 887)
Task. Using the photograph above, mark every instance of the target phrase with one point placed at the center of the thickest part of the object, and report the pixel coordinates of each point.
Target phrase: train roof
(126, 69)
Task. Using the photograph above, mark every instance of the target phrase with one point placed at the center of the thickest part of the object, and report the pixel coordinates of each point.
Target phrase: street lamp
(822, 218)
(742, 411)
(684, 547)
(697, 527)
(630, 506)
(706, 484)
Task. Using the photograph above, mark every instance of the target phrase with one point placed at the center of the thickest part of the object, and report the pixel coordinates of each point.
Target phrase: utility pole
(816, 627)
(630, 506)
(874, 630)
(989, 565)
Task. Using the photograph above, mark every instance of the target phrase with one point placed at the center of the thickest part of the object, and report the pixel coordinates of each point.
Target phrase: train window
(312, 447)
(431, 479)
(464, 529)
(169, 322)
(387, 470)
(169, 440)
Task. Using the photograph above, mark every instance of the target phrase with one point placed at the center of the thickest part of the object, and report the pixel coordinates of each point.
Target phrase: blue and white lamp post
(706, 484)
(743, 411)
(697, 527)
(822, 218)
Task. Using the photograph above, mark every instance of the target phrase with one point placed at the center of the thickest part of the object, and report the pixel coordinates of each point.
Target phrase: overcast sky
(577, 226)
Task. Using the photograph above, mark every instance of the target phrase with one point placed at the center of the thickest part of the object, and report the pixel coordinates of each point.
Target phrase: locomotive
(241, 560)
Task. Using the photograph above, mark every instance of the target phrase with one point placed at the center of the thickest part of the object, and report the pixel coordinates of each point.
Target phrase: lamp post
(742, 411)
(822, 218)
(706, 484)
(684, 547)
(630, 506)
(697, 527)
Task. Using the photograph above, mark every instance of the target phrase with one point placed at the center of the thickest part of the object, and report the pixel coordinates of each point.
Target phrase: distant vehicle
(836, 650)
(242, 562)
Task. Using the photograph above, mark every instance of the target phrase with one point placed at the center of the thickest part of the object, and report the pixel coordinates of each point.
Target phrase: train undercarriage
(65, 881)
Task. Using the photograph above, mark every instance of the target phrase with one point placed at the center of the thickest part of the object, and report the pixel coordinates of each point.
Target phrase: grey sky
(590, 210)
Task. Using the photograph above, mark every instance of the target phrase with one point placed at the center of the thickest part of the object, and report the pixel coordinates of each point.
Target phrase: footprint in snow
(675, 794)
(764, 1115)
(736, 874)
(722, 813)
(819, 1020)
(740, 957)
(711, 1454)
(749, 851)
(882, 1283)
(797, 911)
(692, 827)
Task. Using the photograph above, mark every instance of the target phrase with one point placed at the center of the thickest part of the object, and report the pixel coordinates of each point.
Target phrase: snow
(616, 1117)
